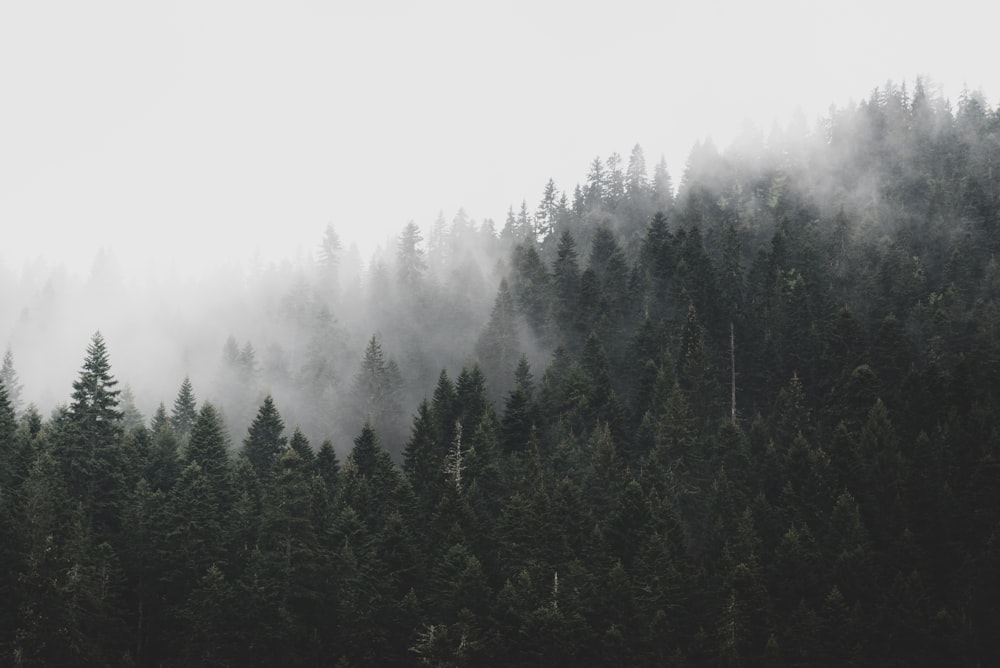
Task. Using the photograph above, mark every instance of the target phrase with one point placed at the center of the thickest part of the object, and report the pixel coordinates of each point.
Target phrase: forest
(753, 420)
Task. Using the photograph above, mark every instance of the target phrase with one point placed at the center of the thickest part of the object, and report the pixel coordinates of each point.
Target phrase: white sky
(186, 133)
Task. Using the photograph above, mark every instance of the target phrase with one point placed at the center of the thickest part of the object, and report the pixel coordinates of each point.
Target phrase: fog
(189, 136)
(299, 327)
(167, 174)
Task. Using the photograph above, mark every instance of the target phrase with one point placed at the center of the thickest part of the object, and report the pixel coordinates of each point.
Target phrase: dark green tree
(185, 410)
(91, 450)
(208, 447)
(264, 441)
(9, 379)
(499, 344)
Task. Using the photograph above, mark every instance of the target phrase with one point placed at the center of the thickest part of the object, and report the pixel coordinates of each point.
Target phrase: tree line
(752, 424)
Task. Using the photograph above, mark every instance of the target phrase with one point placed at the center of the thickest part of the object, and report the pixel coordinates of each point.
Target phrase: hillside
(749, 421)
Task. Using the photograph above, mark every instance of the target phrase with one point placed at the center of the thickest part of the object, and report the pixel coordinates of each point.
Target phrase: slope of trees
(754, 424)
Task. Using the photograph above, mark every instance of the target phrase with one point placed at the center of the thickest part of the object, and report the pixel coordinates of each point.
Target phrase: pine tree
(327, 465)
(444, 408)
(185, 410)
(264, 441)
(329, 262)
(91, 449)
(193, 537)
(663, 188)
(131, 417)
(8, 447)
(498, 345)
(8, 378)
(160, 421)
(616, 179)
(370, 479)
(423, 459)
(376, 388)
(597, 186)
(546, 215)
(520, 409)
(410, 257)
(531, 286)
(289, 564)
(300, 444)
(636, 180)
(566, 283)
(208, 447)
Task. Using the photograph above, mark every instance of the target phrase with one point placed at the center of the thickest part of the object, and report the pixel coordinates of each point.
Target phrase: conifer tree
(410, 258)
(264, 441)
(8, 431)
(8, 378)
(91, 449)
(370, 479)
(185, 410)
(444, 408)
(663, 188)
(327, 465)
(546, 216)
(519, 410)
(566, 281)
(300, 444)
(160, 421)
(423, 458)
(329, 262)
(498, 345)
(208, 447)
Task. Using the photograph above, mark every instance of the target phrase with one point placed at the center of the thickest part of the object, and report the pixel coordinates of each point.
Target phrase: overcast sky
(186, 133)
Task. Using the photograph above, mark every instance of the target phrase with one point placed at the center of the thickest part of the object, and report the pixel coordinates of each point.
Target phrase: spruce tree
(264, 440)
(8, 378)
(185, 410)
(208, 447)
(499, 344)
(8, 431)
(91, 449)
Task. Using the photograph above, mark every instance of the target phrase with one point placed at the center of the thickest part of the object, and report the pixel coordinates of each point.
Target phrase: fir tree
(91, 449)
(264, 440)
(185, 410)
(8, 378)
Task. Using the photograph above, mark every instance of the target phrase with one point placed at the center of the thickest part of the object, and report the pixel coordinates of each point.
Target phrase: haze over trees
(752, 423)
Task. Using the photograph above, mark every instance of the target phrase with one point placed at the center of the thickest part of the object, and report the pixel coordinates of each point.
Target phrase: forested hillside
(755, 421)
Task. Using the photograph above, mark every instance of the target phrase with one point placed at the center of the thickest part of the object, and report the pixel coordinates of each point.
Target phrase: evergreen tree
(546, 216)
(566, 282)
(499, 344)
(185, 410)
(410, 258)
(160, 421)
(423, 459)
(91, 450)
(264, 441)
(663, 188)
(327, 465)
(208, 447)
(329, 261)
(8, 378)
(8, 446)
(519, 410)
(300, 444)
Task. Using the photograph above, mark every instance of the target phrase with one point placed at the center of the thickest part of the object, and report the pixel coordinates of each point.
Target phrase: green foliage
(264, 440)
(185, 410)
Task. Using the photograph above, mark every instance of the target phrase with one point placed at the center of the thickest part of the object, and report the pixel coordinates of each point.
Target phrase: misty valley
(753, 419)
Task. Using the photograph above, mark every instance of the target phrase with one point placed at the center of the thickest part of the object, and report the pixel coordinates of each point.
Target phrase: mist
(743, 416)
(297, 328)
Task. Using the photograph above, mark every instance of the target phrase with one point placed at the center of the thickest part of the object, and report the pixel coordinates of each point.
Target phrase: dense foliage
(764, 432)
